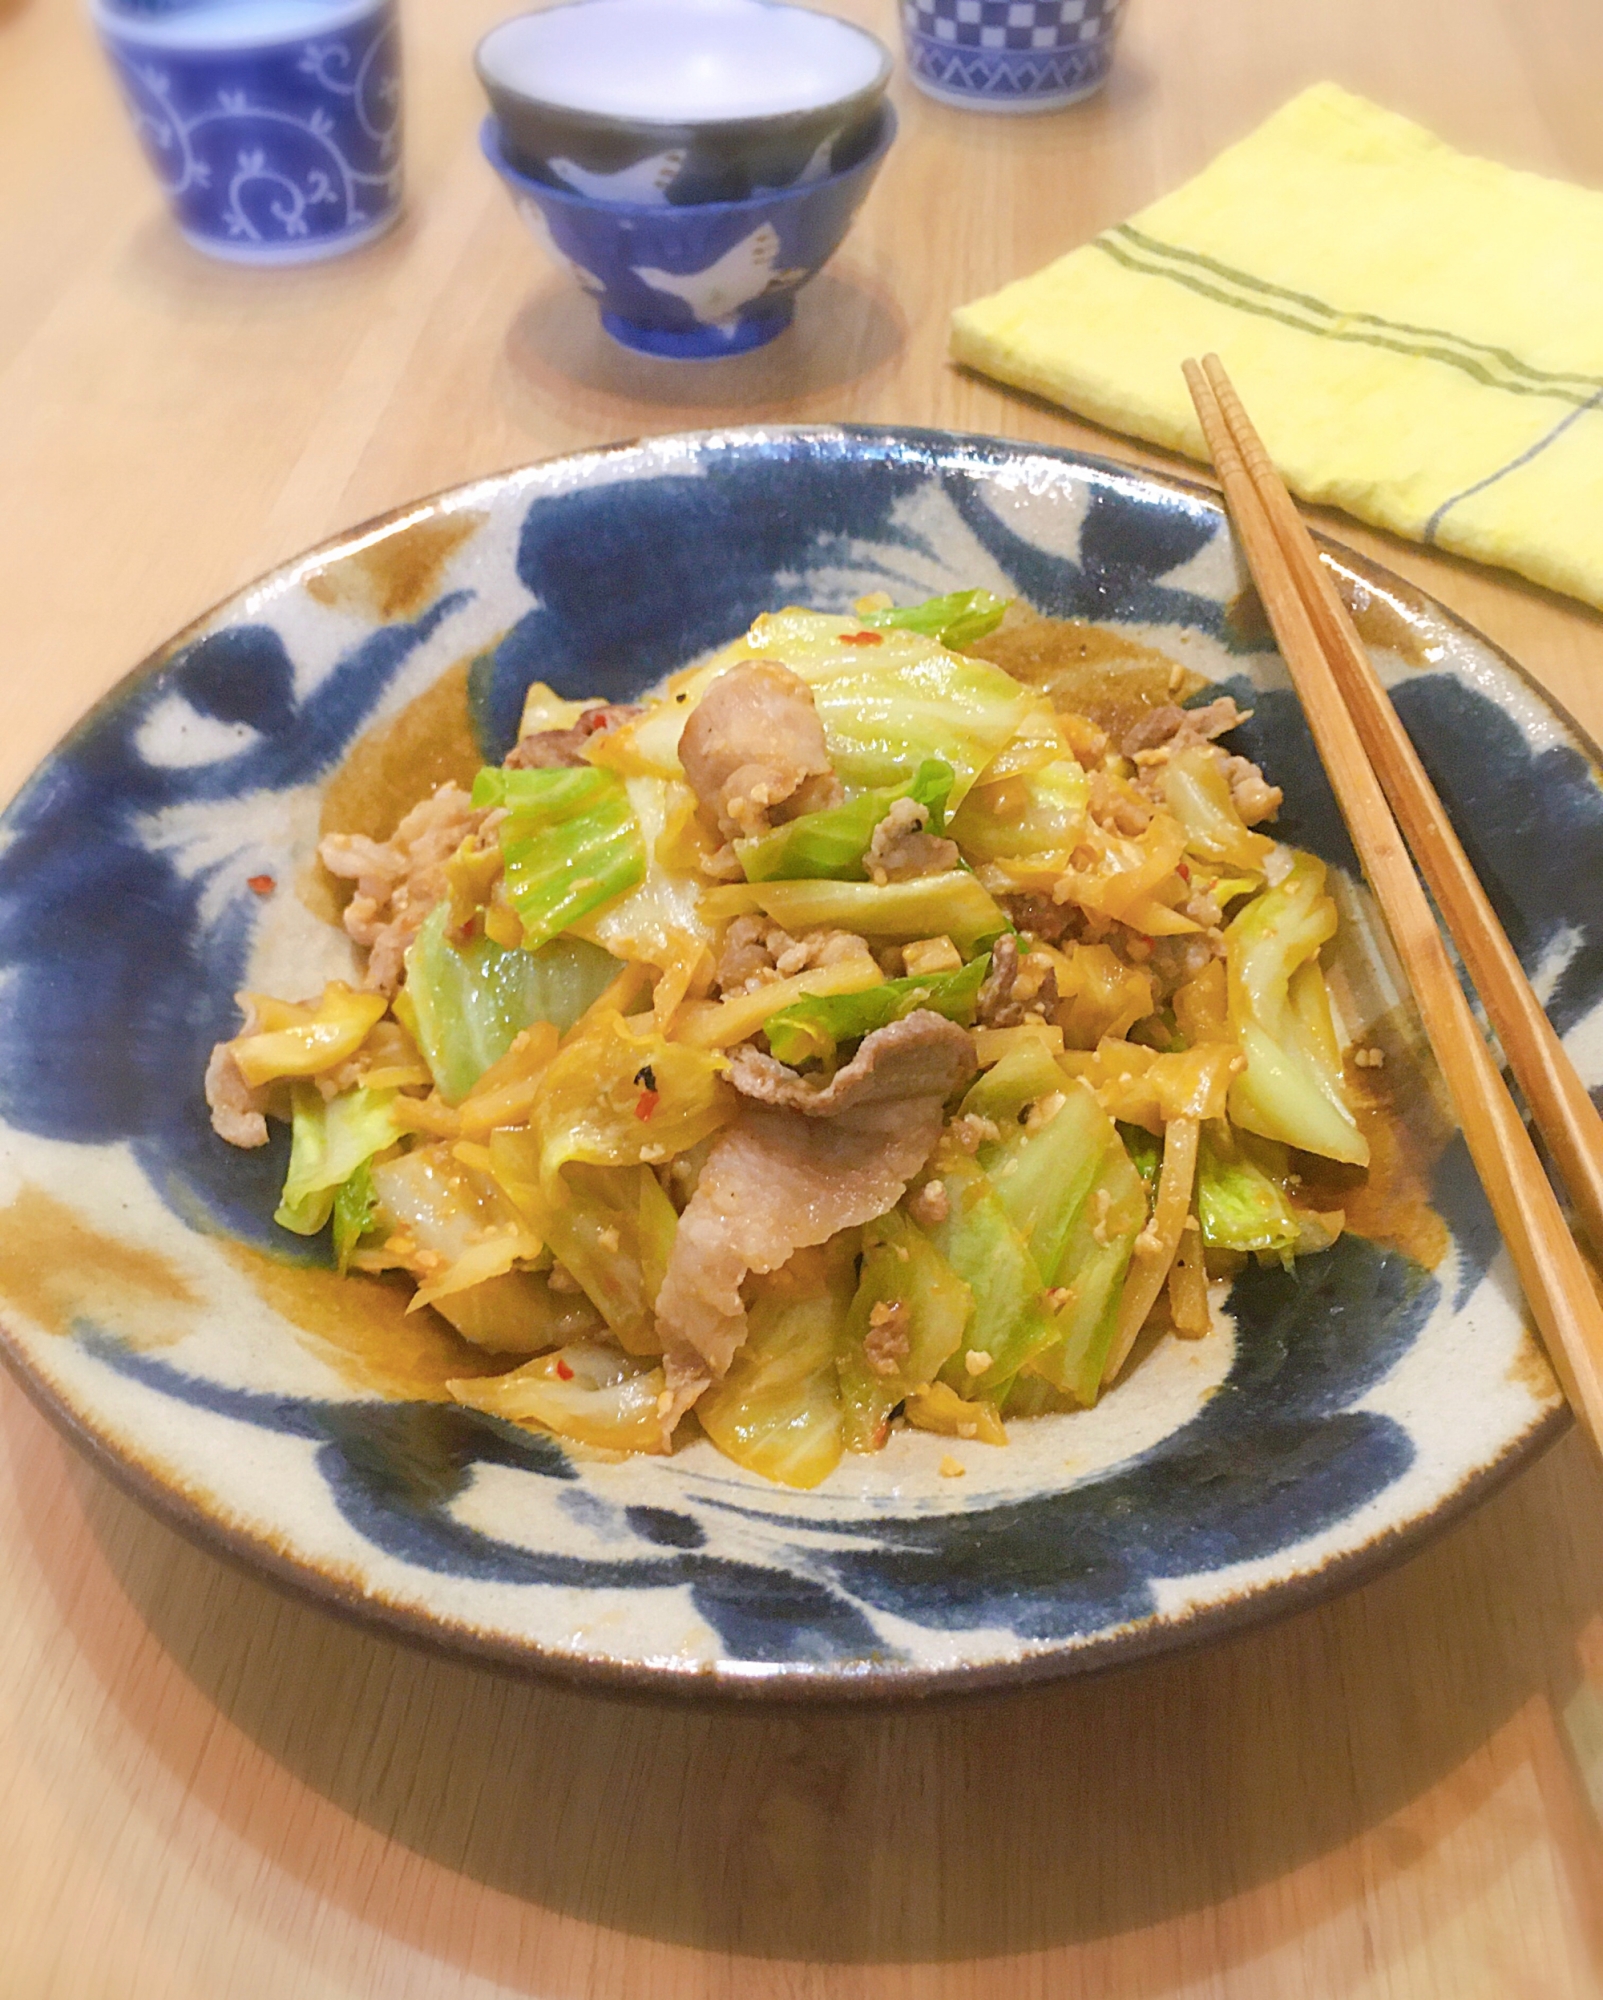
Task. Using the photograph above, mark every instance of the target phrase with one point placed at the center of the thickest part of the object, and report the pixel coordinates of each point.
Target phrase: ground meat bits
(886, 1345)
(757, 952)
(901, 850)
(399, 880)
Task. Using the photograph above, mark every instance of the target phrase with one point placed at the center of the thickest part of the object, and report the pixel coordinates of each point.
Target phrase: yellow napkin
(1418, 335)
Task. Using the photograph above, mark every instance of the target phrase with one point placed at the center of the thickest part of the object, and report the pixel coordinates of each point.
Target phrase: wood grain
(210, 1790)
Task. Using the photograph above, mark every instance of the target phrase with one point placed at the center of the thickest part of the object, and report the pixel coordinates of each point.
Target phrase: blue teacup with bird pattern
(680, 102)
(695, 283)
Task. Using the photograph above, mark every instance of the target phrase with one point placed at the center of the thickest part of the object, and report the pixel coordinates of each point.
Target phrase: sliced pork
(753, 750)
(555, 749)
(922, 1055)
(1171, 728)
(775, 1182)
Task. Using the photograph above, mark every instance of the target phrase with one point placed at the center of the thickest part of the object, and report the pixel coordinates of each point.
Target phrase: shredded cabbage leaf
(658, 922)
(470, 1001)
(1090, 1278)
(951, 905)
(888, 707)
(778, 1409)
(1279, 1013)
(961, 618)
(1036, 814)
(616, 1095)
(584, 1391)
(813, 1028)
(329, 1140)
(570, 842)
(1238, 1205)
(832, 843)
(915, 1303)
(1009, 1322)
(1044, 1176)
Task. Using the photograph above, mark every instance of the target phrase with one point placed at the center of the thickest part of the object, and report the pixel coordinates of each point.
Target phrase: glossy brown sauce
(1381, 626)
(1530, 1368)
(1248, 623)
(1407, 1131)
(56, 1271)
(387, 771)
(360, 1326)
(395, 577)
(1090, 670)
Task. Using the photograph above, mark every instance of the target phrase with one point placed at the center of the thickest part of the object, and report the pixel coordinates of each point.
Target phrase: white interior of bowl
(681, 61)
(231, 24)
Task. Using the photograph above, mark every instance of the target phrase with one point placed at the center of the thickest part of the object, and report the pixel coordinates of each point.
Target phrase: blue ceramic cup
(1009, 55)
(699, 282)
(273, 126)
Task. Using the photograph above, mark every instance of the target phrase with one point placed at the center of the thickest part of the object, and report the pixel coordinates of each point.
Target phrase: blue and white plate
(230, 1378)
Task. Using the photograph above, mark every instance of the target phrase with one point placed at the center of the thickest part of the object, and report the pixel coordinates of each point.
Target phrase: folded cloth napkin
(1418, 335)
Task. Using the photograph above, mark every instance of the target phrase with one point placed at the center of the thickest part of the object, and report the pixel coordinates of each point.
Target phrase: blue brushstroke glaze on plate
(1349, 1406)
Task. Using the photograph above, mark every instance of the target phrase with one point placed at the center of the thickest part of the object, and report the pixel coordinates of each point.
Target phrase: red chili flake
(564, 1371)
(1183, 872)
(264, 885)
(862, 638)
(649, 1100)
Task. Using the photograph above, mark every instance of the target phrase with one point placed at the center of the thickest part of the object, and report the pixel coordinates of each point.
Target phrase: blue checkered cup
(1009, 55)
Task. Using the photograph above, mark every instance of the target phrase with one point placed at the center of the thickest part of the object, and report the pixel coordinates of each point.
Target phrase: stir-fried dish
(876, 1027)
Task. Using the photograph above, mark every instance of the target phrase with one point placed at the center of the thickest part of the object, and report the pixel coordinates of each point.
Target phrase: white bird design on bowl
(743, 273)
(645, 180)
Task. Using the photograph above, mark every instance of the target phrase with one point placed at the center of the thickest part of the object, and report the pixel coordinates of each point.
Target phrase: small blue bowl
(695, 283)
(273, 126)
(682, 101)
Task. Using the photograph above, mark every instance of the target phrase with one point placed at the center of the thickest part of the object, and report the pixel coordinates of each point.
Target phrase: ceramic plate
(164, 856)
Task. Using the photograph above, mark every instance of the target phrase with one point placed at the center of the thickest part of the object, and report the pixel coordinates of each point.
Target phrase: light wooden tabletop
(207, 1789)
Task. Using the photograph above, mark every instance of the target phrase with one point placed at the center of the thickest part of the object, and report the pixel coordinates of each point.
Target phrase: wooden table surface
(207, 1789)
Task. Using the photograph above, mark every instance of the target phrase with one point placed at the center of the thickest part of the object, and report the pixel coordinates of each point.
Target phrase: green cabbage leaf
(1090, 1277)
(832, 843)
(1279, 1014)
(1010, 1321)
(468, 1002)
(951, 905)
(778, 1409)
(329, 1141)
(570, 842)
(814, 1028)
(961, 618)
(1239, 1206)
(903, 1276)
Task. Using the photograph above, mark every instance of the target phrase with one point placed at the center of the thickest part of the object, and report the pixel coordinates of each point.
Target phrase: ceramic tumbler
(1009, 55)
(273, 126)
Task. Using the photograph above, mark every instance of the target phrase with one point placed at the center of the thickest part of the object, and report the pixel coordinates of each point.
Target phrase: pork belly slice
(753, 750)
(922, 1055)
(776, 1181)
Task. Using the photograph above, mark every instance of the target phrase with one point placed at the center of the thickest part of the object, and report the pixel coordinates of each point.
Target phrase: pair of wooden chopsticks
(1369, 759)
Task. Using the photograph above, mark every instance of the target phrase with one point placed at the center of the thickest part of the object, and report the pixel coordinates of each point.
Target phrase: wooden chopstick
(1564, 1113)
(1551, 1269)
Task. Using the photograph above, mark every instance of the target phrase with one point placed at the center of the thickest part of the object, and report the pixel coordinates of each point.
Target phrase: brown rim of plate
(872, 1683)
